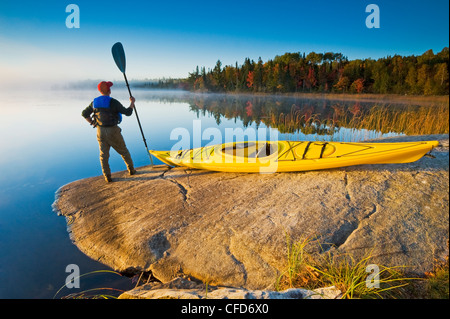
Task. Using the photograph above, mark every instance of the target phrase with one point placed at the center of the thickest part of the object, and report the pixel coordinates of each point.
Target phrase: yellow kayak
(292, 156)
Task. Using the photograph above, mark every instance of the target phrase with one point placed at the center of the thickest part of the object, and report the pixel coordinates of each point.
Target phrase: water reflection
(328, 119)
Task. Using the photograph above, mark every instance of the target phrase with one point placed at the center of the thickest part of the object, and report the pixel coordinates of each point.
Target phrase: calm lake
(46, 144)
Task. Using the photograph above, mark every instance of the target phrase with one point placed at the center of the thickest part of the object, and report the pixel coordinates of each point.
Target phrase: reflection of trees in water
(313, 116)
(324, 117)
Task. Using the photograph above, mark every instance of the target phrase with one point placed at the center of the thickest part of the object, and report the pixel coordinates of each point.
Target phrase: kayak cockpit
(250, 149)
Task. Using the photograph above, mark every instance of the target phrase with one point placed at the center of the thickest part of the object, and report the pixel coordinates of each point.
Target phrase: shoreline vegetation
(328, 72)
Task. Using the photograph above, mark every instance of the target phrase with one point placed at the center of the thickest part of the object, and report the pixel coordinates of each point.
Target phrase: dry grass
(409, 120)
(355, 278)
(94, 293)
(421, 120)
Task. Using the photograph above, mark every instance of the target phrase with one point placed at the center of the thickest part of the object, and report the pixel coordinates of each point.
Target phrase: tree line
(426, 74)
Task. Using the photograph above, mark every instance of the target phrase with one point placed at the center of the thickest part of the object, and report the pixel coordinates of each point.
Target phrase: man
(107, 113)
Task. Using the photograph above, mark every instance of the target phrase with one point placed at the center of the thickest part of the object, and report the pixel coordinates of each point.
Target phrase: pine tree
(217, 84)
(258, 78)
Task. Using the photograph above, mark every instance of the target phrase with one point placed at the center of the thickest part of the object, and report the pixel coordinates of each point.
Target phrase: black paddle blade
(119, 56)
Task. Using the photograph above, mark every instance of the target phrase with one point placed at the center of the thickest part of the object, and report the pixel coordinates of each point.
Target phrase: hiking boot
(132, 171)
(108, 179)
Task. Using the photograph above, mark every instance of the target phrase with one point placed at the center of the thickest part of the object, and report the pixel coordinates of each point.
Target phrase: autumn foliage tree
(426, 74)
(250, 79)
(358, 85)
(342, 84)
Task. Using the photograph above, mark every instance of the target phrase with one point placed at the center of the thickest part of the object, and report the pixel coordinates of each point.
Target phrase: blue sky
(170, 38)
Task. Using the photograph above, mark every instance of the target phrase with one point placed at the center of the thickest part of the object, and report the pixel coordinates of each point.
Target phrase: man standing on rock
(107, 114)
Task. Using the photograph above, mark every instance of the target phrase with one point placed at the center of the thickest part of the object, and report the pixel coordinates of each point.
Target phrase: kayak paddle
(119, 57)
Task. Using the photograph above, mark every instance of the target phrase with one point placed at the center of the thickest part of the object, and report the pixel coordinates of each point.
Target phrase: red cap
(104, 86)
